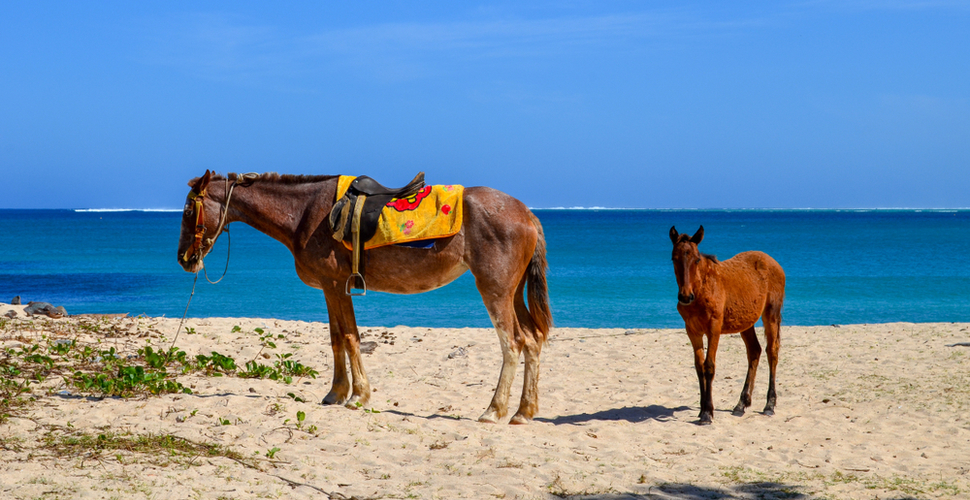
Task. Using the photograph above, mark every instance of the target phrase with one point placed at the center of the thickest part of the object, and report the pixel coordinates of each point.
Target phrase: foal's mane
(686, 237)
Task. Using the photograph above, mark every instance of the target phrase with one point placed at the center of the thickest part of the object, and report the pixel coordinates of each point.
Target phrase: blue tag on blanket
(425, 244)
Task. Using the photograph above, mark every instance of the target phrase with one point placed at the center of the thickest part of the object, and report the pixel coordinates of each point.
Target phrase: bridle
(195, 249)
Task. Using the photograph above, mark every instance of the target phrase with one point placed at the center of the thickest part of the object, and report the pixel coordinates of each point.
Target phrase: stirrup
(349, 289)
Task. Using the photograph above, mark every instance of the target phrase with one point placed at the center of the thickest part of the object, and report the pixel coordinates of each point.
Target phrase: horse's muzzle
(685, 299)
(192, 265)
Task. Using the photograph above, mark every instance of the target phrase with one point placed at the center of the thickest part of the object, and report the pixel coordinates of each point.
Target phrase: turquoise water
(608, 268)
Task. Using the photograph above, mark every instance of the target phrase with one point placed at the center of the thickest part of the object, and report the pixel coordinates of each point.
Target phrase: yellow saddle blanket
(434, 212)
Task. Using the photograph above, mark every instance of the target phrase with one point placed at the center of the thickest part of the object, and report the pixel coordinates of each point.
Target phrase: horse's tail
(538, 291)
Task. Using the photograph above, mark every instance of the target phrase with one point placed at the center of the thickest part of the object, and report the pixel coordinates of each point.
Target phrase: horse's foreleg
(340, 388)
(529, 404)
(345, 341)
(754, 355)
(772, 322)
(499, 406)
(360, 384)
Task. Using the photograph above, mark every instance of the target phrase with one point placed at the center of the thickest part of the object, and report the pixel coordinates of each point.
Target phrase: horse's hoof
(738, 412)
(487, 419)
(519, 420)
(769, 411)
(333, 399)
(704, 422)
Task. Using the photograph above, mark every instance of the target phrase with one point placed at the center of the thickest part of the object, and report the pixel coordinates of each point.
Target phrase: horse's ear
(674, 235)
(698, 236)
(202, 183)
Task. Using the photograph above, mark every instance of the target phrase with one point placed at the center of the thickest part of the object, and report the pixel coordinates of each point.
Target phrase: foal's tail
(538, 293)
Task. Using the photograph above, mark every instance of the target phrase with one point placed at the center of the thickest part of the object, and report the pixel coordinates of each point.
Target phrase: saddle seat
(371, 187)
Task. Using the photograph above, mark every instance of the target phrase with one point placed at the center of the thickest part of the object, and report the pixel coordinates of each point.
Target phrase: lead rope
(248, 178)
(177, 332)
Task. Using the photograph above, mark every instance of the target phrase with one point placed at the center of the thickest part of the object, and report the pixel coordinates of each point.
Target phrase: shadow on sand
(749, 491)
(627, 413)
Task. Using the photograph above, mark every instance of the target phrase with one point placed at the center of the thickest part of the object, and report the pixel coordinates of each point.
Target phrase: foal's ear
(202, 182)
(673, 235)
(698, 236)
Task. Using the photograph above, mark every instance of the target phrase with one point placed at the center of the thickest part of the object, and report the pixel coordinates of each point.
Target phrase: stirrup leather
(355, 275)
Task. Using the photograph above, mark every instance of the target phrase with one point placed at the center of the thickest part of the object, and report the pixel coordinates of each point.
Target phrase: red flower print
(445, 209)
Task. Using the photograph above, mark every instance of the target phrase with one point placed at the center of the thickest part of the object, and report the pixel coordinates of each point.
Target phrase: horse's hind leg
(529, 403)
(754, 355)
(503, 320)
(772, 322)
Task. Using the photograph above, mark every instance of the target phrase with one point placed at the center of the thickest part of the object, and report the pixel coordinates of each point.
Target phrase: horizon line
(577, 208)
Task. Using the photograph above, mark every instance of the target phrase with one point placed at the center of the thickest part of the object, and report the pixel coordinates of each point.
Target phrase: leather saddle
(354, 218)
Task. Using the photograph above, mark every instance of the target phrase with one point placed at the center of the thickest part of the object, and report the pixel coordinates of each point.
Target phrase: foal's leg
(503, 320)
(772, 322)
(707, 406)
(697, 343)
(754, 355)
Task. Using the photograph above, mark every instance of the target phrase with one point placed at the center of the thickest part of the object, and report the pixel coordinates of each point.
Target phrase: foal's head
(686, 258)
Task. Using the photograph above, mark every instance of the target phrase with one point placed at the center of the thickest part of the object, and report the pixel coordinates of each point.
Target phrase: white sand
(864, 411)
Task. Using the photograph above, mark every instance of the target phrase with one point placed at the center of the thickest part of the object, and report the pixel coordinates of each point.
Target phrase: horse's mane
(279, 178)
(710, 257)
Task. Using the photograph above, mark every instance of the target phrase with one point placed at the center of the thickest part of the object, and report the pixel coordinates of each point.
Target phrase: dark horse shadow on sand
(682, 491)
(628, 413)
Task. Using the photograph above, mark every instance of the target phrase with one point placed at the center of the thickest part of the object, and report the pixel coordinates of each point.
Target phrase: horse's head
(200, 224)
(686, 258)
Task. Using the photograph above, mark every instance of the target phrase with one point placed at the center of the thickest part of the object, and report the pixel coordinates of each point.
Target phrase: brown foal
(501, 242)
(728, 297)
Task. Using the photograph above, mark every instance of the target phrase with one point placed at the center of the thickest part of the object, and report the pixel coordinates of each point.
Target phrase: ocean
(607, 267)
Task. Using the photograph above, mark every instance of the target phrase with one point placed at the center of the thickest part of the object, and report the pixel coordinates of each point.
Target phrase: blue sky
(616, 104)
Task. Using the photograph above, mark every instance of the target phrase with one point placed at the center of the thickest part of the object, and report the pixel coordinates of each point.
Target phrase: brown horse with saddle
(500, 241)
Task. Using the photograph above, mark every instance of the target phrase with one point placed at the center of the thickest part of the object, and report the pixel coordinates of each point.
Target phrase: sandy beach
(864, 411)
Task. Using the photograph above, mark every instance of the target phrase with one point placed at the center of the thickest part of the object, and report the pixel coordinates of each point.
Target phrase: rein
(196, 247)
